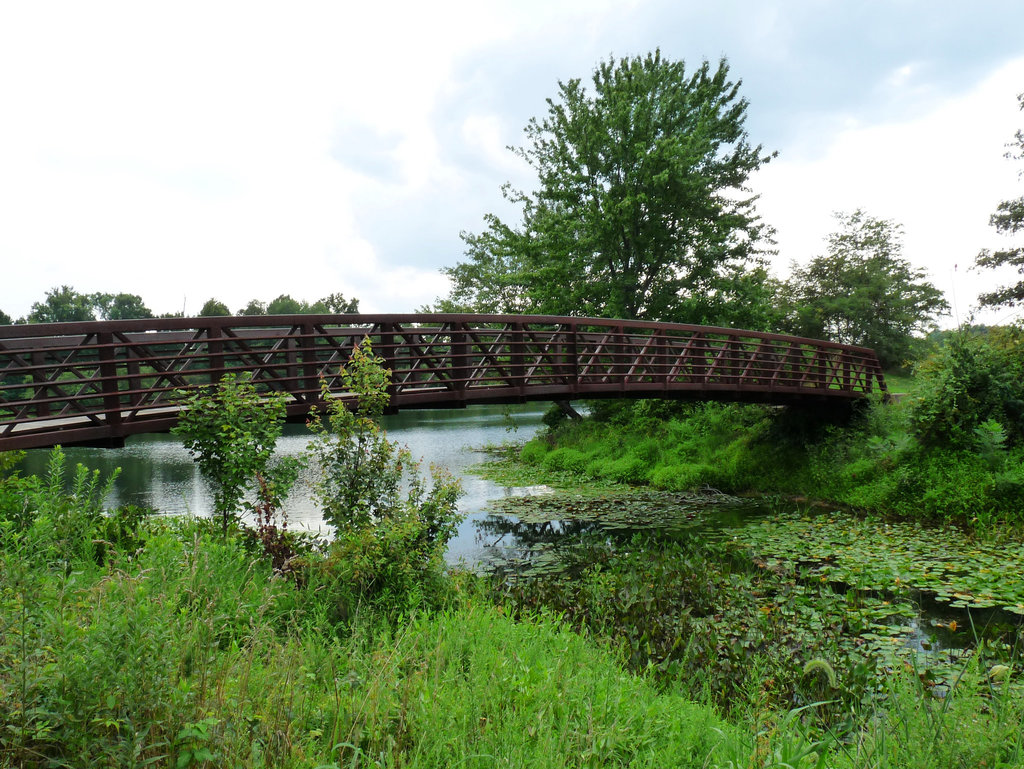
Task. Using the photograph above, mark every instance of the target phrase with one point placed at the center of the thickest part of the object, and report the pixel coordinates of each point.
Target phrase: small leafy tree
(336, 304)
(231, 430)
(62, 305)
(255, 307)
(120, 306)
(972, 389)
(391, 525)
(285, 305)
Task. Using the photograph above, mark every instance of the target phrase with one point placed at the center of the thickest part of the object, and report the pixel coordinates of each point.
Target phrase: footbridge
(97, 383)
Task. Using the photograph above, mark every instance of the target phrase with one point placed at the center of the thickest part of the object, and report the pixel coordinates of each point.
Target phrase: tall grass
(194, 653)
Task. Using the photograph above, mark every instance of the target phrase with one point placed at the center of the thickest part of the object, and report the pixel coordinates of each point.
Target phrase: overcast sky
(182, 151)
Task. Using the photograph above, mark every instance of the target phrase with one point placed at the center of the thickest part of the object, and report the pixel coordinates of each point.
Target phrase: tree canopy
(62, 305)
(863, 291)
(642, 209)
(213, 308)
(1008, 220)
(120, 306)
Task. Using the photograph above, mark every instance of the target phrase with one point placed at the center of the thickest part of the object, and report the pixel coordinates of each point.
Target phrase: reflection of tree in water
(558, 534)
(516, 547)
(531, 548)
(500, 530)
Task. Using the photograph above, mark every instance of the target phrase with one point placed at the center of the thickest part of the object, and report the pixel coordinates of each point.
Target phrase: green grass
(195, 654)
(189, 651)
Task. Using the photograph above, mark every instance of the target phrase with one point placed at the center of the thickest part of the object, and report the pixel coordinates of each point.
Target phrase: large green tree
(641, 209)
(862, 291)
(1008, 220)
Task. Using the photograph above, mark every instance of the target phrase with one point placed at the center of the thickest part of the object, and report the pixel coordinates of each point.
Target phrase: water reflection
(158, 472)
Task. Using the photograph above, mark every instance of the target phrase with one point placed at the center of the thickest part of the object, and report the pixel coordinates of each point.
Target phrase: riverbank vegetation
(133, 640)
(951, 449)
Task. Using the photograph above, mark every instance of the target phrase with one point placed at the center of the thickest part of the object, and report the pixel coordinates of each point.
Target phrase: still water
(158, 472)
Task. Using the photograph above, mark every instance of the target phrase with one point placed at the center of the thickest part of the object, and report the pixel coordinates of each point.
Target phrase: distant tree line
(65, 305)
(335, 304)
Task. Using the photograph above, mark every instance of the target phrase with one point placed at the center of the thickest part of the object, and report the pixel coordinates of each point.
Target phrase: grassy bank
(950, 450)
(188, 650)
(194, 654)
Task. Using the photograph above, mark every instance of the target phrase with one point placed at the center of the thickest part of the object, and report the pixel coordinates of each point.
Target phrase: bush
(680, 477)
(566, 460)
(230, 430)
(973, 379)
(534, 452)
(391, 526)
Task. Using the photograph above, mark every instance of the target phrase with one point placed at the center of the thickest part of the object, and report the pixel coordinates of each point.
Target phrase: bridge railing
(92, 382)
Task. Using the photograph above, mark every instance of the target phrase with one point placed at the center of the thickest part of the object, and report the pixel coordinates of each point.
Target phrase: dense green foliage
(231, 430)
(62, 305)
(1008, 220)
(120, 306)
(641, 209)
(65, 305)
(173, 646)
(863, 291)
(213, 308)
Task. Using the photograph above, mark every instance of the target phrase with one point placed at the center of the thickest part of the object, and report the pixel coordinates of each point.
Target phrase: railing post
(662, 364)
(214, 352)
(459, 362)
(39, 379)
(387, 352)
(134, 380)
(110, 383)
(573, 357)
(516, 364)
(310, 381)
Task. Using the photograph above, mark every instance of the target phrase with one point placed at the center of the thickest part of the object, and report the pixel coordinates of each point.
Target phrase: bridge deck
(100, 382)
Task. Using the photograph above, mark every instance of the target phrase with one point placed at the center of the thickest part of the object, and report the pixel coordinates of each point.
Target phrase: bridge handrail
(102, 380)
(36, 330)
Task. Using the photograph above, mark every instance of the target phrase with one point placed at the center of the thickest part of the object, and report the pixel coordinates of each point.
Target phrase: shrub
(231, 430)
(566, 459)
(973, 379)
(534, 452)
(391, 526)
(680, 477)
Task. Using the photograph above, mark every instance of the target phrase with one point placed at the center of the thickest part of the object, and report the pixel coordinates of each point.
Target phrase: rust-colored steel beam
(96, 383)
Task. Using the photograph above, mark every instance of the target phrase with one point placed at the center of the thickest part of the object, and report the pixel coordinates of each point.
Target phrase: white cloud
(939, 174)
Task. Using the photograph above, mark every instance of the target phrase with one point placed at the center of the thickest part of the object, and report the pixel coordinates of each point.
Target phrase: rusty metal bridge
(97, 383)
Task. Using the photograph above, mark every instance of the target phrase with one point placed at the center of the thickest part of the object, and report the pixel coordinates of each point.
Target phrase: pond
(157, 472)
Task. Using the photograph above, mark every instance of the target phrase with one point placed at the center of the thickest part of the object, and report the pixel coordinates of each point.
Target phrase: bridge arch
(99, 382)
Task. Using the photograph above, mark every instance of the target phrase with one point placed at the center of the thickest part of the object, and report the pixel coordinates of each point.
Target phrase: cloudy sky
(182, 151)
